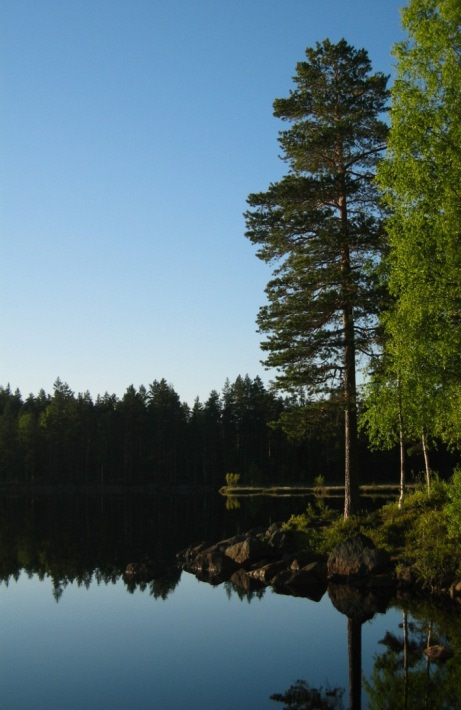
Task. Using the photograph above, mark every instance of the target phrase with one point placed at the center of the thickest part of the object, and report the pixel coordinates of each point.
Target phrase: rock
(250, 550)
(244, 580)
(280, 580)
(300, 560)
(213, 561)
(355, 558)
(283, 541)
(309, 582)
(437, 653)
(268, 572)
(187, 556)
(209, 564)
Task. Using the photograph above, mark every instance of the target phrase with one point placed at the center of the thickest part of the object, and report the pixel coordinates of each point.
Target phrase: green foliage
(322, 526)
(232, 479)
(339, 530)
(310, 525)
(301, 223)
(420, 178)
(148, 436)
(424, 534)
(418, 534)
(436, 559)
(453, 507)
(299, 523)
(320, 226)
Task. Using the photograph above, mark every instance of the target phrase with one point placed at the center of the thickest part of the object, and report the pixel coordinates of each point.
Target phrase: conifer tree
(320, 226)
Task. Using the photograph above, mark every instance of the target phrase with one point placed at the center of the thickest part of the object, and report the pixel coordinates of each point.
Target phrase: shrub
(338, 531)
(453, 507)
(436, 560)
(232, 479)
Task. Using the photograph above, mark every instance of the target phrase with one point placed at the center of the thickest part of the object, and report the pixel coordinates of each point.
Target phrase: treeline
(148, 436)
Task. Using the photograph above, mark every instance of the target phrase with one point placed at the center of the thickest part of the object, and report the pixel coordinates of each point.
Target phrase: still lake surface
(73, 634)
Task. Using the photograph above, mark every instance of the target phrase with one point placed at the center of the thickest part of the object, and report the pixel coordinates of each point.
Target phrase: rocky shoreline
(360, 578)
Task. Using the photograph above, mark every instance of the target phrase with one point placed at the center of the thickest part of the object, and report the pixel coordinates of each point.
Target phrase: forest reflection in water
(175, 642)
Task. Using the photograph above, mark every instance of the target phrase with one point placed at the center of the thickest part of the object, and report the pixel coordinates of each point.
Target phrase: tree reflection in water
(302, 697)
(403, 677)
(83, 540)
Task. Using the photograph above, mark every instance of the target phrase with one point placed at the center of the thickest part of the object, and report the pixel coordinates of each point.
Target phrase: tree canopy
(420, 178)
(321, 228)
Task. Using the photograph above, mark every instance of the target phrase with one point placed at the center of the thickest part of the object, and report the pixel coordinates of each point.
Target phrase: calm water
(74, 635)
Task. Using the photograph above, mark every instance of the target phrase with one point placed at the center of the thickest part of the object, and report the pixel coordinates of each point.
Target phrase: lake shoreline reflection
(74, 634)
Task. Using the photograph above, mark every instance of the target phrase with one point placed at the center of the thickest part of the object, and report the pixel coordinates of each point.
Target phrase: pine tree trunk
(351, 475)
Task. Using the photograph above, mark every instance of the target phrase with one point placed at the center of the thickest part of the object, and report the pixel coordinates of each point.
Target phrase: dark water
(73, 634)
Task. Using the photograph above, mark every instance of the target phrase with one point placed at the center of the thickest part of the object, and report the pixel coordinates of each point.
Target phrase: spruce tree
(321, 229)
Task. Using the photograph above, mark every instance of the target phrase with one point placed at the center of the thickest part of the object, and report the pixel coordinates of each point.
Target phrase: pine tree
(320, 227)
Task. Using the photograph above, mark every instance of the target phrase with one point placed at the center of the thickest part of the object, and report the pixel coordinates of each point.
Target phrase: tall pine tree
(320, 227)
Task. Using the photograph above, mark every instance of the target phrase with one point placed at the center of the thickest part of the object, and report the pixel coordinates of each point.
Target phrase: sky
(131, 133)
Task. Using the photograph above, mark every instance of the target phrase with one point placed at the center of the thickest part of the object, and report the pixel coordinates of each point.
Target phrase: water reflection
(78, 538)
(301, 696)
(363, 656)
(404, 674)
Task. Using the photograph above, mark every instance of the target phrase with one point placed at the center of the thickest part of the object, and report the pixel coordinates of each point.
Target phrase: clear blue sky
(132, 132)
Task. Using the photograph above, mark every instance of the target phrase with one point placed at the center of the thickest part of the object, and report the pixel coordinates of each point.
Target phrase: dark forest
(148, 437)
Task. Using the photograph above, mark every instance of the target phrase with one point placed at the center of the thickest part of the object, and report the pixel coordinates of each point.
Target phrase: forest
(149, 437)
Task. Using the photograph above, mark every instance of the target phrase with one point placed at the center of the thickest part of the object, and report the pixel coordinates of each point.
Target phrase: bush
(232, 479)
(453, 507)
(436, 560)
(340, 530)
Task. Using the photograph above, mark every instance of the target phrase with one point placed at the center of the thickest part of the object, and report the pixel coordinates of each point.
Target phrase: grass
(423, 536)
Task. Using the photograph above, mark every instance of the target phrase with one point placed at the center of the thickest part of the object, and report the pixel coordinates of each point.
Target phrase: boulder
(249, 551)
(209, 564)
(213, 561)
(310, 581)
(186, 557)
(356, 558)
(300, 560)
(268, 572)
(243, 580)
(282, 541)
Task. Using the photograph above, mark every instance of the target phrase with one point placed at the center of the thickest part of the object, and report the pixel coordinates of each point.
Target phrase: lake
(74, 634)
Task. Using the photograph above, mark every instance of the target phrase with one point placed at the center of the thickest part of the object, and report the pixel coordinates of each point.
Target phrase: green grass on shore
(423, 536)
